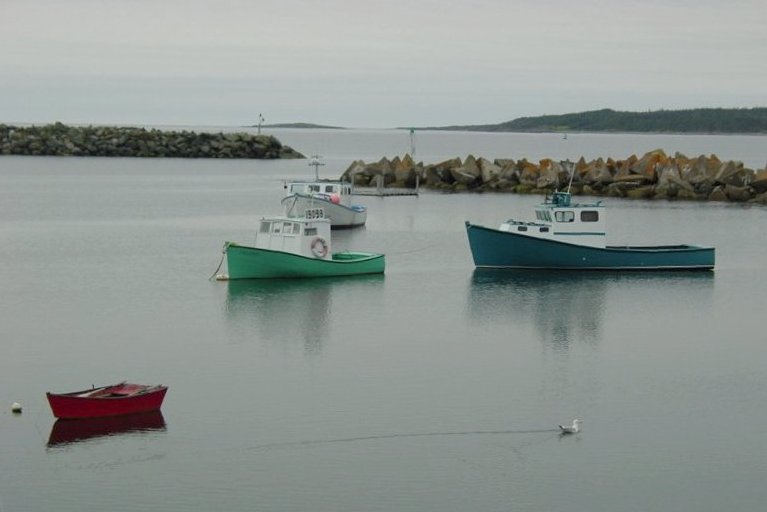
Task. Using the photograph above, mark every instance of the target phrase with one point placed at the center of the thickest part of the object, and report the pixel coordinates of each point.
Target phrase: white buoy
(222, 277)
(16, 408)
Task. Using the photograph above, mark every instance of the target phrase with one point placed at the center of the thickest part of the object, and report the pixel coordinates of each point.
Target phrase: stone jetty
(654, 175)
(62, 140)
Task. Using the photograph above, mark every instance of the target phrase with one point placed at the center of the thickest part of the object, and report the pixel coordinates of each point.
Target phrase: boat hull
(341, 216)
(492, 248)
(245, 262)
(70, 405)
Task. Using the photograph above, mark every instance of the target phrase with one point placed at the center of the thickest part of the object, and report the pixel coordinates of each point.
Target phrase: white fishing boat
(333, 196)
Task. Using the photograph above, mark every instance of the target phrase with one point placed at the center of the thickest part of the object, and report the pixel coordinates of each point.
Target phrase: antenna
(260, 120)
(572, 173)
(316, 163)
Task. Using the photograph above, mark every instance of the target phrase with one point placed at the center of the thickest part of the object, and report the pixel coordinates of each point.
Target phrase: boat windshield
(277, 227)
(305, 187)
(290, 228)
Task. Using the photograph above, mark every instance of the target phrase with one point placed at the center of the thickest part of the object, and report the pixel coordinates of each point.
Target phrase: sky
(362, 64)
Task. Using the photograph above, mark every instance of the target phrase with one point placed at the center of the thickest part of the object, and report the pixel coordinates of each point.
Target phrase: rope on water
(414, 250)
(288, 444)
(37, 412)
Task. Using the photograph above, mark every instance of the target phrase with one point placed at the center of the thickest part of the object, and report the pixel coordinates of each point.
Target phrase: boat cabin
(306, 236)
(335, 191)
(560, 219)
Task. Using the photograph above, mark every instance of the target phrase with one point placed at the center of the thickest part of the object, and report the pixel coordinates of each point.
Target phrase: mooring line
(414, 250)
(221, 262)
(311, 442)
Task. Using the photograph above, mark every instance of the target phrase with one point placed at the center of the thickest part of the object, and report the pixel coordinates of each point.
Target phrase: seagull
(571, 429)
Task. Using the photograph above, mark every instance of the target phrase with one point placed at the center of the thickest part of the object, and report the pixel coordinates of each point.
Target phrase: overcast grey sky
(373, 64)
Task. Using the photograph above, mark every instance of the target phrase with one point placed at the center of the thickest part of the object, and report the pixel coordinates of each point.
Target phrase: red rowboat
(122, 398)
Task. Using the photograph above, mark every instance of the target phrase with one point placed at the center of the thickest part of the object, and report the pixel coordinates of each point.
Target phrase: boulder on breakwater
(654, 175)
(62, 140)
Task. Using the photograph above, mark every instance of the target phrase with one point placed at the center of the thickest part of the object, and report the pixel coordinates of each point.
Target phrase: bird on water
(571, 429)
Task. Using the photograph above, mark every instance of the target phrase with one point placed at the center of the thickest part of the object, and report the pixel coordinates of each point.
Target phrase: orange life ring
(319, 247)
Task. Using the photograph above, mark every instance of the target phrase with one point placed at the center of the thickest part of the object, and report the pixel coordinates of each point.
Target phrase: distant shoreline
(697, 121)
(310, 126)
(700, 121)
(579, 132)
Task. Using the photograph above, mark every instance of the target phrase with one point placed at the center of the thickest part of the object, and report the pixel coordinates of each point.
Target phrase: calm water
(432, 388)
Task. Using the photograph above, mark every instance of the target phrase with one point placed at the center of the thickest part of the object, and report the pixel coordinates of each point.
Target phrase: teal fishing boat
(296, 247)
(567, 235)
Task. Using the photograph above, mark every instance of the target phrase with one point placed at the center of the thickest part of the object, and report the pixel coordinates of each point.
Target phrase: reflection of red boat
(71, 431)
(123, 398)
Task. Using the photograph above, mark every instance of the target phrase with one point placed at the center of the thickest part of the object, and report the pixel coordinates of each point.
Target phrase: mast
(316, 163)
(412, 156)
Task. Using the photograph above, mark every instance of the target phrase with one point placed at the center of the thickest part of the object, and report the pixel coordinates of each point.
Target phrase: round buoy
(16, 408)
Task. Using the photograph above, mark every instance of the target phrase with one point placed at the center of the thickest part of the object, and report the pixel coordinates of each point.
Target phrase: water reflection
(285, 310)
(568, 306)
(69, 431)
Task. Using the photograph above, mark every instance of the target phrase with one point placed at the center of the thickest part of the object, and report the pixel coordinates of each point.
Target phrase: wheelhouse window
(329, 189)
(564, 216)
(287, 228)
(314, 188)
(589, 216)
(265, 227)
(310, 231)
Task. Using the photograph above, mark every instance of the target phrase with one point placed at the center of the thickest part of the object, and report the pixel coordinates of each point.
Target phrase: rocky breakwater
(654, 175)
(62, 140)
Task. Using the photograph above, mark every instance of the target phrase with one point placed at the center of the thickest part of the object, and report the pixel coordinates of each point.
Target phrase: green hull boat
(245, 262)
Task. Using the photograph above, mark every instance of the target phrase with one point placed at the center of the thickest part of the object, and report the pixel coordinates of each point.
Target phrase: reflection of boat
(286, 290)
(560, 304)
(568, 235)
(70, 431)
(290, 311)
(297, 247)
(122, 398)
(335, 197)
(568, 305)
